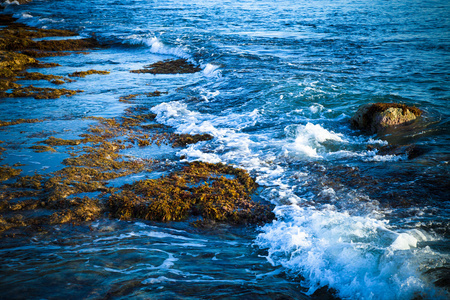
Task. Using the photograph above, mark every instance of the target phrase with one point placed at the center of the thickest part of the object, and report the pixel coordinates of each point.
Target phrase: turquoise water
(279, 83)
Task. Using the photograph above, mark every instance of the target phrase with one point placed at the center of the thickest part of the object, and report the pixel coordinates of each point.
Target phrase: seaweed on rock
(19, 121)
(38, 93)
(18, 51)
(89, 72)
(214, 192)
(6, 172)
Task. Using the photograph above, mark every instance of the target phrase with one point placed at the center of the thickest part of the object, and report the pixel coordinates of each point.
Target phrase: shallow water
(279, 83)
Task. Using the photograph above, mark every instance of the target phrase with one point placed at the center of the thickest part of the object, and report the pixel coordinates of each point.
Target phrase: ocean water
(280, 81)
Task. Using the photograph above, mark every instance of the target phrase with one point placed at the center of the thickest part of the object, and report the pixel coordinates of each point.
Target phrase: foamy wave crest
(177, 115)
(30, 20)
(7, 2)
(309, 137)
(23, 16)
(156, 46)
(212, 71)
(359, 257)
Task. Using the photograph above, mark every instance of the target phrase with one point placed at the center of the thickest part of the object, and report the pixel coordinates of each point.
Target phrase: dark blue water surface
(279, 83)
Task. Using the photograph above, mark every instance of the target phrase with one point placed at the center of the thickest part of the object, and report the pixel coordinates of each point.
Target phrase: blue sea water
(279, 83)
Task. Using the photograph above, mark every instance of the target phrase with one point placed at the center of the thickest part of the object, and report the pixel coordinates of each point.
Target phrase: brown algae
(89, 72)
(52, 141)
(7, 172)
(213, 192)
(42, 148)
(18, 51)
(19, 121)
(128, 98)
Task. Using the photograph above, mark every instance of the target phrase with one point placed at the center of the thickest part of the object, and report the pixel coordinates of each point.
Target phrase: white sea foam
(159, 279)
(385, 157)
(156, 46)
(192, 154)
(359, 257)
(309, 137)
(27, 19)
(8, 2)
(22, 16)
(211, 70)
(146, 233)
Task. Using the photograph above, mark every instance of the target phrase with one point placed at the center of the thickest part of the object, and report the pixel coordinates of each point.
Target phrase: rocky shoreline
(80, 192)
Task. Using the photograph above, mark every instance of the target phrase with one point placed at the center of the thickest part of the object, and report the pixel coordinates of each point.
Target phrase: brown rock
(376, 117)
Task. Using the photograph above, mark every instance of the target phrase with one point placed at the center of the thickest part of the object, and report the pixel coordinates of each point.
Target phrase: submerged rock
(376, 117)
(411, 151)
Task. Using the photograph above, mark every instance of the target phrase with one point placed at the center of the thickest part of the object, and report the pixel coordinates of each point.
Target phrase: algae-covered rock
(42, 148)
(12, 61)
(52, 141)
(38, 93)
(6, 172)
(18, 49)
(76, 210)
(178, 66)
(212, 192)
(19, 121)
(376, 117)
(89, 72)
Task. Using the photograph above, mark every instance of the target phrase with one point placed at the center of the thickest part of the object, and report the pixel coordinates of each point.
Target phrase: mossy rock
(12, 61)
(377, 117)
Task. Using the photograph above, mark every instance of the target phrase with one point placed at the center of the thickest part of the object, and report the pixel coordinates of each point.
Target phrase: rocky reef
(79, 191)
(198, 191)
(377, 117)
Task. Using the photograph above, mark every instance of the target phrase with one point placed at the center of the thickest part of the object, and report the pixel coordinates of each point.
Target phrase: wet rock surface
(377, 117)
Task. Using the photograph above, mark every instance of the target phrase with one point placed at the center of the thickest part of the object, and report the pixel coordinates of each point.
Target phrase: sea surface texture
(279, 82)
